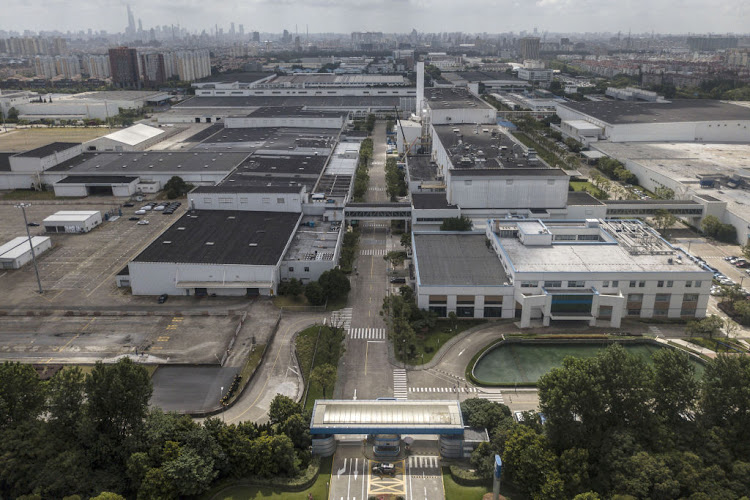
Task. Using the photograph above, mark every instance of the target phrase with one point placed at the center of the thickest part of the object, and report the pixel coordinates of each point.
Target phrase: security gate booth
(384, 422)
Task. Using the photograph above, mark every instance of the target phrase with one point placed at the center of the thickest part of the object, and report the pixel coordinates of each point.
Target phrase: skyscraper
(529, 47)
(130, 30)
(123, 63)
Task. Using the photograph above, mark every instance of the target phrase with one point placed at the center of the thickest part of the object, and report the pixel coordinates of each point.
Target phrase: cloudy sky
(492, 16)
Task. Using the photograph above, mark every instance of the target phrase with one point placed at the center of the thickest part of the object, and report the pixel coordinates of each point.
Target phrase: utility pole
(23, 206)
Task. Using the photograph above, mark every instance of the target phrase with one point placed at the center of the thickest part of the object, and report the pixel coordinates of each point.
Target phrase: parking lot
(155, 339)
(80, 268)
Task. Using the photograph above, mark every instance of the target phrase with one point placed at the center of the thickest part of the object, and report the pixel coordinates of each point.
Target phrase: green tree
(297, 428)
(294, 287)
(664, 193)
(106, 495)
(406, 240)
(176, 187)
(675, 386)
(483, 414)
(664, 219)
(314, 293)
(12, 115)
(192, 473)
(22, 395)
(157, 486)
(706, 327)
(335, 284)
(532, 464)
(282, 407)
(395, 257)
(725, 401)
(324, 376)
(710, 225)
(456, 224)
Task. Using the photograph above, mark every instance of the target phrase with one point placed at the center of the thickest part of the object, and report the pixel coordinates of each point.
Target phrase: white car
(159, 208)
(142, 222)
(146, 207)
(140, 212)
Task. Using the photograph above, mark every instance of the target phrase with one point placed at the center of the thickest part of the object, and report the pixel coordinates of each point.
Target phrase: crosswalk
(376, 188)
(342, 318)
(367, 333)
(655, 330)
(381, 225)
(496, 397)
(399, 384)
(373, 251)
(426, 465)
(442, 389)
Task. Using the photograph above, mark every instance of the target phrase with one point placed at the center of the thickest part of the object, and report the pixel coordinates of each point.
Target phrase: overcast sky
(344, 16)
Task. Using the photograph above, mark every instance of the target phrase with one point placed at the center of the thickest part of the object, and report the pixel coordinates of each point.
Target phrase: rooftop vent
(166, 242)
(181, 228)
(210, 243)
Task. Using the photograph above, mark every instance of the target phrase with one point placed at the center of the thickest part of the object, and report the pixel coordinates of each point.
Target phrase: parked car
(146, 207)
(33, 224)
(128, 205)
(384, 469)
(518, 415)
(163, 298)
(134, 218)
(140, 212)
(142, 222)
(398, 279)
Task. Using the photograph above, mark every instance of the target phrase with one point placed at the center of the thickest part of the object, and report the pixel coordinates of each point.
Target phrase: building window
(690, 297)
(243, 201)
(687, 311)
(576, 284)
(641, 284)
(279, 200)
(438, 299)
(291, 269)
(662, 297)
(660, 284)
(467, 183)
(493, 299)
(266, 201)
(465, 311)
(634, 312)
(698, 284)
(615, 284)
(553, 284)
(635, 297)
(441, 311)
(529, 284)
(207, 201)
(605, 284)
(465, 299)
(632, 284)
(307, 269)
(670, 284)
(688, 284)
(509, 182)
(660, 312)
(493, 312)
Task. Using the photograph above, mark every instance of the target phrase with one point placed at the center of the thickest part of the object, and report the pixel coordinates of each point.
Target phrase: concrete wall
(334, 122)
(251, 202)
(70, 190)
(147, 278)
(507, 191)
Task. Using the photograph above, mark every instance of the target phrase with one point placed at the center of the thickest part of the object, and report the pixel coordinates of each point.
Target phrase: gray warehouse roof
(455, 259)
(453, 97)
(49, 149)
(289, 101)
(430, 201)
(97, 179)
(581, 198)
(244, 188)
(5, 161)
(223, 237)
(149, 162)
(681, 110)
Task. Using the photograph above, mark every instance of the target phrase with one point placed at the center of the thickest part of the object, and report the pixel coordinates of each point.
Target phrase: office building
(123, 63)
(529, 47)
(154, 72)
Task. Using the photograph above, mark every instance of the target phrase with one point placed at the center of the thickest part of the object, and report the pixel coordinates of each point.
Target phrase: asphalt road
(364, 371)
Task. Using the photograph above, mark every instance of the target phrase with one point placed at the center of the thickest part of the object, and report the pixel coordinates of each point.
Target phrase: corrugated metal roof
(135, 135)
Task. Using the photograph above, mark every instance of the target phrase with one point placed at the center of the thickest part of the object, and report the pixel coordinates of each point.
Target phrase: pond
(525, 362)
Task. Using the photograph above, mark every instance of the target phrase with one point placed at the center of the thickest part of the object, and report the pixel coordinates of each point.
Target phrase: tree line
(83, 435)
(616, 427)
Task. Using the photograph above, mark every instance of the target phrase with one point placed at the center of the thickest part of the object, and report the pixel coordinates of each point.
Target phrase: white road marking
(356, 468)
(355, 394)
(341, 470)
(399, 384)
(462, 351)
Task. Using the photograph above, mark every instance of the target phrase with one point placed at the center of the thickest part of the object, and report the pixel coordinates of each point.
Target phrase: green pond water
(527, 362)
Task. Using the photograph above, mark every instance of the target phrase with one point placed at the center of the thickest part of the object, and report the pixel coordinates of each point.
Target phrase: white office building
(593, 270)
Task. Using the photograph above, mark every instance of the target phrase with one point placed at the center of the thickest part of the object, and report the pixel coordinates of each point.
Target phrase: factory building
(17, 252)
(72, 221)
(139, 137)
(456, 105)
(595, 271)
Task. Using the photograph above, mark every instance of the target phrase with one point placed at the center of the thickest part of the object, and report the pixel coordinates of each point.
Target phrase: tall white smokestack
(420, 87)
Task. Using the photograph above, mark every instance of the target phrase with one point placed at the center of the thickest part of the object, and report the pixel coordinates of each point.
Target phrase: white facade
(72, 221)
(300, 121)
(507, 191)
(633, 274)
(249, 201)
(543, 76)
(31, 164)
(139, 137)
(17, 252)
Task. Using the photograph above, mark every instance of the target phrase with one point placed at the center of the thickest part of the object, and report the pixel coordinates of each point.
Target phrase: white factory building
(89, 105)
(72, 221)
(685, 120)
(17, 252)
(138, 137)
(594, 271)
(456, 105)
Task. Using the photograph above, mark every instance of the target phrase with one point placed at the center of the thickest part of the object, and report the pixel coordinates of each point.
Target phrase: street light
(223, 406)
(23, 206)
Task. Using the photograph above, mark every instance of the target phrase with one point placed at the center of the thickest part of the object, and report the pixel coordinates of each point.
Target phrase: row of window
(662, 297)
(606, 284)
(226, 201)
(291, 269)
(685, 311)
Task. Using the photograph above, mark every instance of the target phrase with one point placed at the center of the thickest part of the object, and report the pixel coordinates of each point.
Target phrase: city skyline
(394, 16)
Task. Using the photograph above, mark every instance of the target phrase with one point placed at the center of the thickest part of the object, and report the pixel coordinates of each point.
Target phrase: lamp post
(23, 206)
(221, 402)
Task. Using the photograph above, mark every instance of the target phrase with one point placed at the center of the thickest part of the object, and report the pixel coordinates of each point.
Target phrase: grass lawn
(717, 345)
(29, 138)
(587, 187)
(319, 489)
(305, 344)
(454, 491)
(300, 301)
(30, 194)
(429, 343)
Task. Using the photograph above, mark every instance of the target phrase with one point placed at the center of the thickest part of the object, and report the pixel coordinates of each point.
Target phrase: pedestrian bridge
(648, 208)
(377, 211)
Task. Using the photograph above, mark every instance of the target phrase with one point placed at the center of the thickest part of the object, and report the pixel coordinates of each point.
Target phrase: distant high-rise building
(242, 30)
(96, 66)
(529, 47)
(231, 29)
(44, 67)
(711, 43)
(256, 36)
(153, 70)
(123, 63)
(130, 30)
(68, 66)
